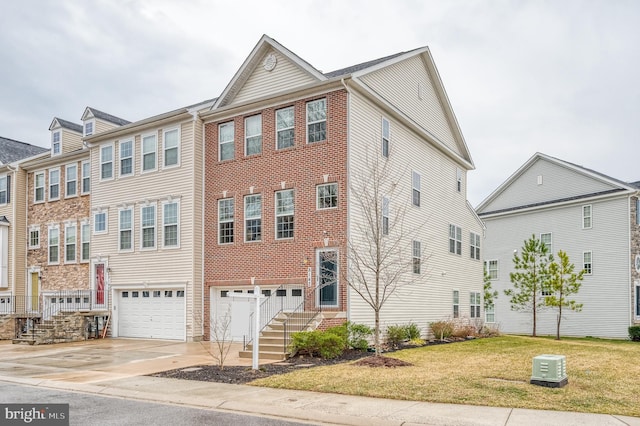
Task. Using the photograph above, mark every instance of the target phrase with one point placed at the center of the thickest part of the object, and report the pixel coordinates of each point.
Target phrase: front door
(99, 285)
(33, 292)
(327, 277)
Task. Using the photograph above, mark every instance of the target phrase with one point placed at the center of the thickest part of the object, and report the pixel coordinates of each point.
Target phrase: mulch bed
(243, 374)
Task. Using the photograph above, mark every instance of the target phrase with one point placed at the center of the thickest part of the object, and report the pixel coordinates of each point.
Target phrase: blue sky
(557, 77)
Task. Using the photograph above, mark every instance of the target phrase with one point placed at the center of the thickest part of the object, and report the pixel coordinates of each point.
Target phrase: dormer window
(55, 143)
(88, 128)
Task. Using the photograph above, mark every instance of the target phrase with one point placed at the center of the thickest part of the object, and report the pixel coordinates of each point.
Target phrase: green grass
(604, 375)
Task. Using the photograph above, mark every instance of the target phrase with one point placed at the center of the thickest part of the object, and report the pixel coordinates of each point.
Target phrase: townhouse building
(287, 148)
(594, 218)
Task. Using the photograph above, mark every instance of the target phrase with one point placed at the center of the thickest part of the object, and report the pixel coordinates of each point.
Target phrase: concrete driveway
(105, 359)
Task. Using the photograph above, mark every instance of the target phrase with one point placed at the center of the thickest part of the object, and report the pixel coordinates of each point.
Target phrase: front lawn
(604, 375)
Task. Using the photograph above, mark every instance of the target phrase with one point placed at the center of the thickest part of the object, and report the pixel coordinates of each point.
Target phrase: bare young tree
(382, 255)
(221, 336)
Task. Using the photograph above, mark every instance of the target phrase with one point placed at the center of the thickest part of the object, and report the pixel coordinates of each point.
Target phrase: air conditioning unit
(549, 371)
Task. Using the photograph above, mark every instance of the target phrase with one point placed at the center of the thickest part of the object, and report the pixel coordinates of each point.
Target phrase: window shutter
(8, 189)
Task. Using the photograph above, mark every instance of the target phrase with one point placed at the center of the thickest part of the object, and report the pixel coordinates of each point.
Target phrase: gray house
(594, 218)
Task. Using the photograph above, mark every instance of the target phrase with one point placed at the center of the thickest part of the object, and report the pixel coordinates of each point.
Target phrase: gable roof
(359, 67)
(65, 125)
(617, 186)
(12, 150)
(92, 112)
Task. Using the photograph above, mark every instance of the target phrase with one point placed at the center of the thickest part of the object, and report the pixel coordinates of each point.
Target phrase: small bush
(412, 331)
(396, 334)
(464, 331)
(634, 333)
(442, 329)
(326, 344)
(358, 336)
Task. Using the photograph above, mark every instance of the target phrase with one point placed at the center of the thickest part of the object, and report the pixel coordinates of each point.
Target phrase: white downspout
(348, 174)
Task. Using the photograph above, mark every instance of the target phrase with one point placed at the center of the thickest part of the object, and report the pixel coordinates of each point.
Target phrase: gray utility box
(549, 371)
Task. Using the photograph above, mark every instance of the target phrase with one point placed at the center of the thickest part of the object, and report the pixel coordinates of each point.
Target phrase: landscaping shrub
(358, 335)
(442, 329)
(464, 331)
(634, 333)
(396, 334)
(412, 331)
(326, 344)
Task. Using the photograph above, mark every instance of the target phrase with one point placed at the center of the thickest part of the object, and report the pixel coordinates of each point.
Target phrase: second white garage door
(152, 314)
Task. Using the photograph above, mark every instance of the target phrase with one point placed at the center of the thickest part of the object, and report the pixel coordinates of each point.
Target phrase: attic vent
(539, 179)
(549, 371)
(420, 91)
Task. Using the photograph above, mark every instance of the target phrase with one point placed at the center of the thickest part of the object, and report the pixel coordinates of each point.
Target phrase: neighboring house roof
(359, 67)
(65, 125)
(104, 116)
(635, 184)
(616, 186)
(12, 150)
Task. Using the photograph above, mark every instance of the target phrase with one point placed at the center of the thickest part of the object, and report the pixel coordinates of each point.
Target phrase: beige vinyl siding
(197, 219)
(285, 76)
(429, 297)
(604, 294)
(71, 141)
(20, 232)
(558, 182)
(400, 85)
(161, 265)
(103, 126)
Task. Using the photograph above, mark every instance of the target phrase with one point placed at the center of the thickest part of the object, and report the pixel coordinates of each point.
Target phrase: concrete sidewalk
(88, 368)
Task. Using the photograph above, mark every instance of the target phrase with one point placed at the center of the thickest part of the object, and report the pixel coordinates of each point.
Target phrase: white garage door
(155, 314)
(232, 315)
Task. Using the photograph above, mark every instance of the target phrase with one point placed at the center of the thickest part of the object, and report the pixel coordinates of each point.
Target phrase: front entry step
(274, 345)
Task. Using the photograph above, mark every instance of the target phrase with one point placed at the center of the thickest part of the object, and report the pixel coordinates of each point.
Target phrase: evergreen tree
(530, 278)
(562, 283)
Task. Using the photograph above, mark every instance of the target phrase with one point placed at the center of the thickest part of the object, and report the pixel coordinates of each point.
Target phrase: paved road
(89, 410)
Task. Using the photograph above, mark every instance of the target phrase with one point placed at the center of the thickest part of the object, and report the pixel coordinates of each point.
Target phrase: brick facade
(73, 210)
(301, 168)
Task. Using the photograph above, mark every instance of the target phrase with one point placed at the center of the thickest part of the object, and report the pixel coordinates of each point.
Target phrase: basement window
(297, 292)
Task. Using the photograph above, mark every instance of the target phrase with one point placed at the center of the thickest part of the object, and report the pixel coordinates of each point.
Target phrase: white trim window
(474, 304)
(53, 241)
(253, 218)
(106, 162)
(89, 127)
(415, 186)
(71, 180)
(148, 226)
(456, 304)
(253, 135)
(490, 314)
(317, 120)
(226, 213)
(474, 245)
(587, 217)
(285, 208)
(171, 146)
(56, 143)
(125, 229)
(285, 128)
(5, 182)
(385, 215)
(547, 240)
(38, 187)
(85, 241)
(459, 179)
(149, 148)
(455, 239)
(491, 266)
(386, 137)
(70, 243)
(54, 184)
(86, 177)
(327, 196)
(587, 262)
(226, 136)
(416, 258)
(34, 237)
(100, 222)
(126, 157)
(171, 224)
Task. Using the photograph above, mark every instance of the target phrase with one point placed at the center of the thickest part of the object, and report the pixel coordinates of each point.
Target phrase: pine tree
(562, 283)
